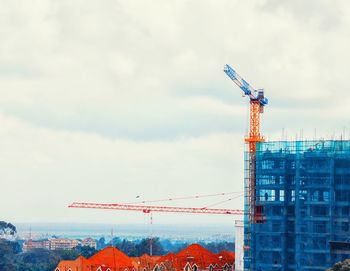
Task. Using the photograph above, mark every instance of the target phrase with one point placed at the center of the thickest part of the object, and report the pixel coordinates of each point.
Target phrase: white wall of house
(239, 243)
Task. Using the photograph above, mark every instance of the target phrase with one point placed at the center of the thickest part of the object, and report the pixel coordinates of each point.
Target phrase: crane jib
(255, 95)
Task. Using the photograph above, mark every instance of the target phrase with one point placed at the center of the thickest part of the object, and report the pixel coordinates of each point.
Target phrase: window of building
(266, 180)
(290, 210)
(291, 165)
(319, 210)
(276, 241)
(342, 195)
(319, 258)
(315, 196)
(267, 164)
(290, 227)
(281, 195)
(277, 210)
(266, 195)
(345, 226)
(303, 194)
(292, 195)
(320, 227)
(276, 257)
(325, 196)
(319, 243)
(345, 210)
(276, 227)
(342, 163)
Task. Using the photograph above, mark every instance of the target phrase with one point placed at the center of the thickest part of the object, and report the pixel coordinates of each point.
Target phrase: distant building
(57, 243)
(192, 258)
(32, 244)
(63, 243)
(89, 242)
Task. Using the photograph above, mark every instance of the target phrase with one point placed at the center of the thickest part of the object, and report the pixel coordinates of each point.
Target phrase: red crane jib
(149, 209)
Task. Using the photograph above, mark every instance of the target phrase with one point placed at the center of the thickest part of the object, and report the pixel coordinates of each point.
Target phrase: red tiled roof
(145, 261)
(226, 256)
(80, 263)
(168, 257)
(197, 254)
(111, 257)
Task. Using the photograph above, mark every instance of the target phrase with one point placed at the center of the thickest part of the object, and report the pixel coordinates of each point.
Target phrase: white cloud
(100, 95)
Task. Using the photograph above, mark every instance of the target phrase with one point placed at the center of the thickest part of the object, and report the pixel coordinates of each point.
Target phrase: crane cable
(220, 202)
(186, 198)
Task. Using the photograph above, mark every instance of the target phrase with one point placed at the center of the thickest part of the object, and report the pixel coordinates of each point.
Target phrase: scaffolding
(302, 193)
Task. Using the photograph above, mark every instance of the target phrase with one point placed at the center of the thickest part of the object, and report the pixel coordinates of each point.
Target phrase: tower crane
(257, 103)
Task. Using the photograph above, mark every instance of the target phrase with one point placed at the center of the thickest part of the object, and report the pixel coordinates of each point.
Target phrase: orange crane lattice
(151, 208)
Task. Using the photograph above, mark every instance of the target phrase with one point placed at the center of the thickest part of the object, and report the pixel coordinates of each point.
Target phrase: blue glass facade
(303, 191)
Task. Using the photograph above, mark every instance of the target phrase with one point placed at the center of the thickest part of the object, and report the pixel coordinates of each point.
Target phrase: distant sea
(189, 233)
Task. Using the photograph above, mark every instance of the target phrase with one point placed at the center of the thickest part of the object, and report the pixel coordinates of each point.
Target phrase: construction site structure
(303, 188)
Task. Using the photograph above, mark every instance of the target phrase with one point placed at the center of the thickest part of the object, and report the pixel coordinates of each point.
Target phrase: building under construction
(302, 200)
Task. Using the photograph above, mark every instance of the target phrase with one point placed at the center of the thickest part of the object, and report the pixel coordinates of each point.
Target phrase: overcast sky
(104, 101)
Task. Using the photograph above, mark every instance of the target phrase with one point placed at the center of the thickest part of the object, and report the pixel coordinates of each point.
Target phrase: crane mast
(257, 102)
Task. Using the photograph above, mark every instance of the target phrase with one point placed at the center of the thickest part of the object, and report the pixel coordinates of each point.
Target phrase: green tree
(8, 253)
(128, 247)
(7, 229)
(85, 251)
(38, 260)
(67, 254)
(145, 245)
(341, 266)
(101, 243)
